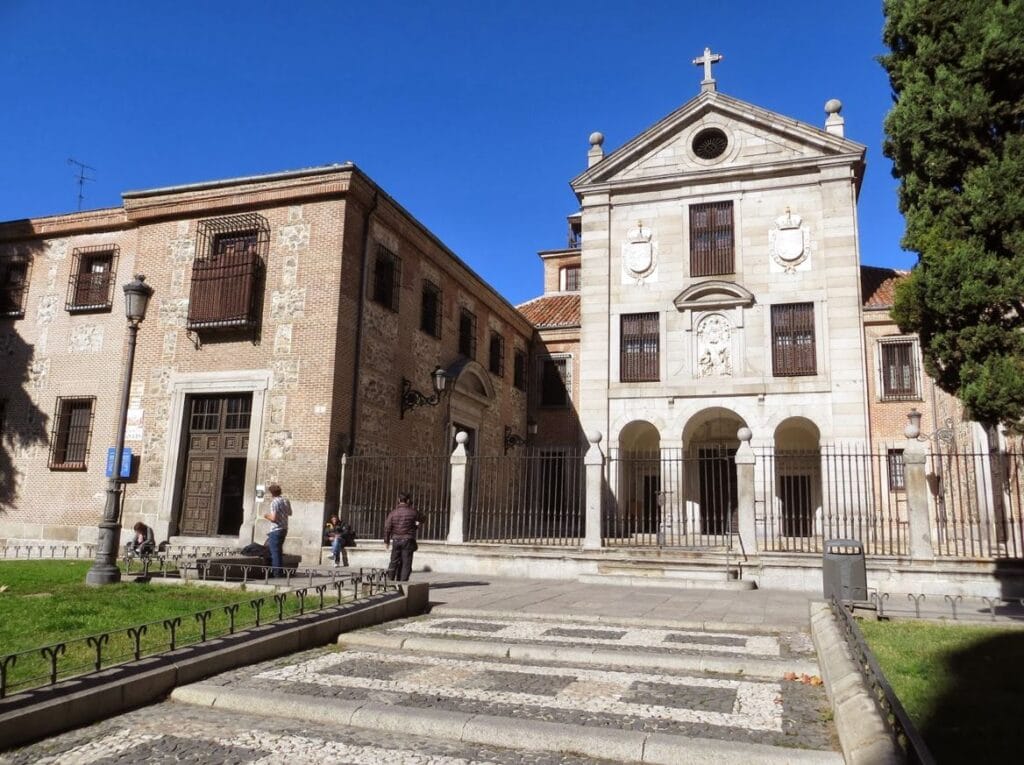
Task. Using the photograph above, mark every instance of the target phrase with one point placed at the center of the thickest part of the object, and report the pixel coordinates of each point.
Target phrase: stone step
(767, 656)
(684, 579)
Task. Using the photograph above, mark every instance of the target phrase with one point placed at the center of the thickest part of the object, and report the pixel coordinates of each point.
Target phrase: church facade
(710, 297)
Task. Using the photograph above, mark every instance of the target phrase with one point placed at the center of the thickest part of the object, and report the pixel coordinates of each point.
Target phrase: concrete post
(458, 485)
(593, 462)
(745, 492)
(916, 486)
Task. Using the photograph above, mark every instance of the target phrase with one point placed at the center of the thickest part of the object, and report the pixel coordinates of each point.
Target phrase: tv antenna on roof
(83, 176)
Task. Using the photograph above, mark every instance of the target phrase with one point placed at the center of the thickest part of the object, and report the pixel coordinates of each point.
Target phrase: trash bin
(843, 571)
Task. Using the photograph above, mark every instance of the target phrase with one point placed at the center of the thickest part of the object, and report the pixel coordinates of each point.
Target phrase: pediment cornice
(713, 294)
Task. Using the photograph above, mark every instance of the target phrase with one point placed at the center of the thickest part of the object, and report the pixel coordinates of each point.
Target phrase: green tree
(956, 141)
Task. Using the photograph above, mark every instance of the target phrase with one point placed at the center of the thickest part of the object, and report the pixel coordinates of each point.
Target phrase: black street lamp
(104, 569)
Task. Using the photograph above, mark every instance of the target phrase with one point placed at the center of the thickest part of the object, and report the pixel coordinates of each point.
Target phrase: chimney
(596, 153)
(834, 123)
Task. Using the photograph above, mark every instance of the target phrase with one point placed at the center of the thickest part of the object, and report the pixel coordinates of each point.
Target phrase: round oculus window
(710, 143)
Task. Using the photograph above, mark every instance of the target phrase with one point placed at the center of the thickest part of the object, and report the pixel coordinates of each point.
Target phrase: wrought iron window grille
(430, 309)
(519, 370)
(793, 340)
(227, 276)
(15, 271)
(899, 377)
(712, 251)
(467, 333)
(387, 278)
(497, 355)
(91, 282)
(72, 433)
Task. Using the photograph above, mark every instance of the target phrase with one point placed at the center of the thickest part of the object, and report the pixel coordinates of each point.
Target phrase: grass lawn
(961, 685)
(47, 602)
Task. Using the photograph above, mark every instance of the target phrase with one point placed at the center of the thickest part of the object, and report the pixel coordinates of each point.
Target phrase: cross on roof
(709, 58)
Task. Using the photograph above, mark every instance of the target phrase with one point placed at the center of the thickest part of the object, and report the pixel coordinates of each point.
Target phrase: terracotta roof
(548, 311)
(878, 285)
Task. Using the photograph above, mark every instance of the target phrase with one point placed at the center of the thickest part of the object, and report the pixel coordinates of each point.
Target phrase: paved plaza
(507, 671)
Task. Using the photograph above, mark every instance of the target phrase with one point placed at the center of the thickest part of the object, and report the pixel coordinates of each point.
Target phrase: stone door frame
(255, 381)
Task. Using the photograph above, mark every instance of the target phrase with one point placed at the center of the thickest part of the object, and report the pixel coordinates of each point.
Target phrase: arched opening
(795, 511)
(639, 481)
(709, 496)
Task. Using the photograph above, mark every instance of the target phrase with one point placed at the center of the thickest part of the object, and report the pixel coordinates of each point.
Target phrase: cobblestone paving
(177, 733)
(581, 634)
(723, 707)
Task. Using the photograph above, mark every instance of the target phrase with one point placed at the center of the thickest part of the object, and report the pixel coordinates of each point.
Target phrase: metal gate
(671, 498)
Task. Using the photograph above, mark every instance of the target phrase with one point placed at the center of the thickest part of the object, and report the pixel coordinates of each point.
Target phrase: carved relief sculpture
(789, 243)
(639, 253)
(714, 347)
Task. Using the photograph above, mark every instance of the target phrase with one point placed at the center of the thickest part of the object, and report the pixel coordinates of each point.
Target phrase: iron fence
(803, 498)
(892, 711)
(671, 498)
(529, 497)
(50, 664)
(976, 503)
(370, 487)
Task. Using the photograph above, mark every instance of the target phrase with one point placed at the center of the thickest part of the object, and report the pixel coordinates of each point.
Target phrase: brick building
(289, 310)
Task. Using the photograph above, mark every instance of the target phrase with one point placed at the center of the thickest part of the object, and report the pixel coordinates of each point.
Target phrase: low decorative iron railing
(902, 727)
(50, 664)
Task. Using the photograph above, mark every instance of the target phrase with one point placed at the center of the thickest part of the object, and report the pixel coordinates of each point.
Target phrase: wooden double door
(214, 481)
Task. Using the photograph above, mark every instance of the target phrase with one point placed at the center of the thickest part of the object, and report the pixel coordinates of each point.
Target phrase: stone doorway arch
(796, 503)
(709, 496)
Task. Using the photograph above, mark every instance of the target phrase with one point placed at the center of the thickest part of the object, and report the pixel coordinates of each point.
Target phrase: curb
(588, 741)
(611, 621)
(764, 669)
(72, 703)
(863, 734)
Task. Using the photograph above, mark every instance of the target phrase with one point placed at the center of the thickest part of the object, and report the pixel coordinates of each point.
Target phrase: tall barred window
(711, 239)
(639, 352)
(793, 351)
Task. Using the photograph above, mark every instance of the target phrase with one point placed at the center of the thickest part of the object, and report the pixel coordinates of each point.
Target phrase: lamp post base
(104, 569)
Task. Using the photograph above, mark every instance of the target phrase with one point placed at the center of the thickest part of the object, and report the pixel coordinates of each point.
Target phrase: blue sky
(473, 115)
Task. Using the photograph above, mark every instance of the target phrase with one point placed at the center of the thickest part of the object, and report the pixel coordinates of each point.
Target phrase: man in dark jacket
(400, 534)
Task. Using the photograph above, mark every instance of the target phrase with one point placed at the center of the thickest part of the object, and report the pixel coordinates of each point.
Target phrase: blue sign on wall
(126, 463)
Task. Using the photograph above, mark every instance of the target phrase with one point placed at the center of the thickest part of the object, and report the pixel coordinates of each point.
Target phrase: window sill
(69, 467)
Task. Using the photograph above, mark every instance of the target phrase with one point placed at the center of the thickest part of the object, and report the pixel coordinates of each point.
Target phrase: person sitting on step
(142, 544)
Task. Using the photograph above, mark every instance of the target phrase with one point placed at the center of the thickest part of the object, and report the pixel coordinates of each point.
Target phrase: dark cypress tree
(956, 138)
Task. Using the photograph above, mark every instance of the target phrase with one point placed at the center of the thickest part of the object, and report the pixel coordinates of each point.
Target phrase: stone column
(916, 486)
(593, 462)
(745, 492)
(458, 485)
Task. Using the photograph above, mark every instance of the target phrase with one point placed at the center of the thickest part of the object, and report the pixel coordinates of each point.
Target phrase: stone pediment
(754, 138)
(713, 295)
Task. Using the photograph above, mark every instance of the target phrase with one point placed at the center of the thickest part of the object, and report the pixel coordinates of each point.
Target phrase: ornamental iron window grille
(639, 352)
(14, 273)
(899, 370)
(711, 239)
(710, 143)
(227, 276)
(554, 383)
(387, 272)
(894, 462)
(91, 283)
(519, 370)
(496, 357)
(430, 309)
(72, 434)
(467, 333)
(571, 279)
(793, 351)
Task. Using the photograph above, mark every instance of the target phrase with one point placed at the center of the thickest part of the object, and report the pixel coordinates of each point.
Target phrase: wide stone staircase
(475, 687)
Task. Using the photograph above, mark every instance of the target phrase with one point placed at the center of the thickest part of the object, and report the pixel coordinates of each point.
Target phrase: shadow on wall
(23, 425)
(976, 715)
